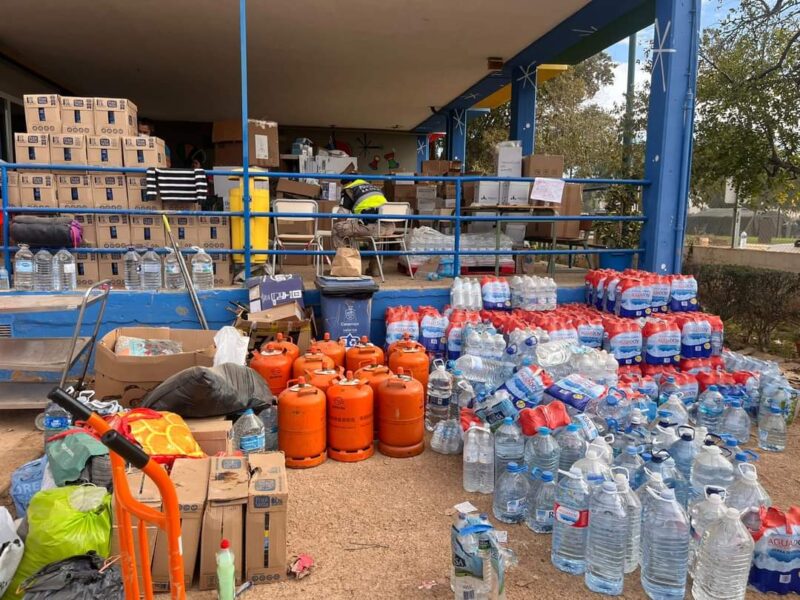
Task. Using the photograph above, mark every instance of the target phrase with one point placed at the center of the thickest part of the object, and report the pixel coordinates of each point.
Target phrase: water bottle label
(151, 268)
(438, 401)
(544, 516)
(587, 425)
(24, 266)
(626, 346)
(663, 348)
(202, 268)
(69, 268)
(56, 423)
(250, 443)
(516, 505)
(570, 516)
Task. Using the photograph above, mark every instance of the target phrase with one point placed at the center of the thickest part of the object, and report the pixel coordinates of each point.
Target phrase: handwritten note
(547, 190)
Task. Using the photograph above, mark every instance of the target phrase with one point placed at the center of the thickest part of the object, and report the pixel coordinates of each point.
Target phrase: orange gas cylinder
(311, 361)
(406, 342)
(350, 420)
(401, 429)
(322, 378)
(286, 342)
(274, 365)
(362, 354)
(333, 349)
(374, 375)
(412, 360)
(302, 425)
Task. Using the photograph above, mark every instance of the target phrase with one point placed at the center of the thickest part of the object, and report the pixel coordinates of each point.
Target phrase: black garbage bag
(222, 391)
(54, 232)
(79, 577)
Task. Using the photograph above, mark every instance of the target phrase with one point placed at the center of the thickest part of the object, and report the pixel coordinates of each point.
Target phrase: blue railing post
(245, 135)
(457, 231)
(6, 219)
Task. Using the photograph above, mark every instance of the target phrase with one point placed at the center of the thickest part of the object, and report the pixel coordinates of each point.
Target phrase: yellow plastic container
(259, 226)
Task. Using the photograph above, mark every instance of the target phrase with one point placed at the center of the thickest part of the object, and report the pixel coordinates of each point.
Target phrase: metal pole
(8, 142)
(627, 134)
(457, 231)
(245, 134)
(6, 217)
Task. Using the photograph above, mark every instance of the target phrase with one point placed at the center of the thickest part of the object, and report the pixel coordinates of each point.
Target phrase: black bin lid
(346, 286)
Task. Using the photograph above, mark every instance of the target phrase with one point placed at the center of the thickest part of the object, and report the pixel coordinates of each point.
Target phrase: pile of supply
(422, 239)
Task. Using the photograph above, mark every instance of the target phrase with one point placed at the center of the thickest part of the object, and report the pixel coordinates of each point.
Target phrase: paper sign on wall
(262, 147)
(547, 189)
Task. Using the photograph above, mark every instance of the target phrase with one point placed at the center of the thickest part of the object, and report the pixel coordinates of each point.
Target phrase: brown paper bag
(346, 263)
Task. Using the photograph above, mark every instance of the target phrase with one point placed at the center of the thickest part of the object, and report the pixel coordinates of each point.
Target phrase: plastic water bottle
(710, 469)
(593, 464)
(571, 446)
(735, 422)
(772, 430)
(173, 278)
(606, 542)
(446, 438)
(202, 270)
(269, 417)
(151, 270)
(665, 548)
(43, 271)
(748, 496)
(65, 275)
(723, 561)
(478, 458)
(664, 434)
(633, 531)
(711, 404)
(440, 390)
(666, 388)
(630, 460)
(249, 436)
(510, 501)
(542, 451)
(570, 523)
(56, 420)
(133, 269)
(683, 451)
(509, 446)
(540, 504)
(226, 572)
(701, 515)
(23, 269)
(5, 283)
(677, 410)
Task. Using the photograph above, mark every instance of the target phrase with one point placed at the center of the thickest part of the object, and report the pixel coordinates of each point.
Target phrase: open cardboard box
(264, 326)
(265, 523)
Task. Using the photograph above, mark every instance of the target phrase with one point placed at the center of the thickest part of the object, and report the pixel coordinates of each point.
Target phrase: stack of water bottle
(147, 271)
(465, 293)
(43, 271)
(533, 293)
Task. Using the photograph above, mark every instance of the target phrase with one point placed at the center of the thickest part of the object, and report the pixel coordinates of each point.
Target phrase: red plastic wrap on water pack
(553, 415)
(399, 321)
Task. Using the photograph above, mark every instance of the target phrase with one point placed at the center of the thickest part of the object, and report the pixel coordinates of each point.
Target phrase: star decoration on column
(422, 146)
(659, 41)
(470, 96)
(460, 116)
(585, 32)
(528, 75)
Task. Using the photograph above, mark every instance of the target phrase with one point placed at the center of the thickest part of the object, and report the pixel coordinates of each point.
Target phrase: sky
(712, 12)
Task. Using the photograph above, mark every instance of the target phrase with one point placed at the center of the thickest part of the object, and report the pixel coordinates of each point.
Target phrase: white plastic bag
(12, 552)
(231, 346)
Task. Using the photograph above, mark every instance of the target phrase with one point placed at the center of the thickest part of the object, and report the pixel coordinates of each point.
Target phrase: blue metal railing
(456, 218)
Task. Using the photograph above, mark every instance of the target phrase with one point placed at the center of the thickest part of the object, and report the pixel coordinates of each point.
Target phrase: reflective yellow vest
(361, 196)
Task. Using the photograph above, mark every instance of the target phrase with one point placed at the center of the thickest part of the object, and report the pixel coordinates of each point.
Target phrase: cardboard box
(326, 206)
(68, 149)
(213, 434)
(74, 191)
(13, 189)
(37, 189)
(109, 190)
(87, 269)
(88, 227)
(32, 148)
(113, 231)
(147, 231)
(131, 377)
(487, 193)
(104, 150)
(268, 291)
(261, 331)
(266, 522)
(42, 113)
(515, 193)
(441, 168)
(115, 116)
(224, 516)
(400, 191)
(213, 232)
(77, 115)
(143, 151)
(262, 143)
(289, 188)
(571, 204)
(190, 476)
(290, 311)
(543, 165)
(137, 194)
(111, 267)
(508, 160)
(223, 270)
(184, 230)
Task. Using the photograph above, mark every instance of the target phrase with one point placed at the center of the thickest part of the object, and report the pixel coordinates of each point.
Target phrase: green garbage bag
(68, 455)
(63, 522)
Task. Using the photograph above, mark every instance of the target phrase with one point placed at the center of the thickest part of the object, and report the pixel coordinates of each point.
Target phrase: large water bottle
(648, 494)
(711, 404)
(677, 410)
(593, 464)
(665, 548)
(710, 468)
(633, 511)
(570, 523)
(541, 502)
(772, 430)
(723, 563)
(571, 446)
(5, 282)
(542, 451)
(23, 269)
(151, 271)
(56, 420)
(607, 541)
(510, 503)
(683, 451)
(463, 392)
(701, 515)
(132, 265)
(735, 422)
(509, 446)
(667, 387)
(748, 496)
(630, 460)
(43, 271)
(65, 272)
(249, 436)
(173, 278)
(478, 459)
(440, 390)
(269, 417)
(202, 270)
(664, 434)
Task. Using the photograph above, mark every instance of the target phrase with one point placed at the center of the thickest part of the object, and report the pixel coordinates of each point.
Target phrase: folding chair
(297, 240)
(398, 237)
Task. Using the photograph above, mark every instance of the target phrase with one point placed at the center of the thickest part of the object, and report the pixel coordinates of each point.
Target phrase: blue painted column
(423, 150)
(457, 134)
(669, 133)
(523, 107)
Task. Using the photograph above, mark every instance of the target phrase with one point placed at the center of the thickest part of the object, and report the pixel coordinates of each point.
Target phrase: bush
(758, 301)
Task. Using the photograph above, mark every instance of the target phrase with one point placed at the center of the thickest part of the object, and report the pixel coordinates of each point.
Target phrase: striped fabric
(177, 185)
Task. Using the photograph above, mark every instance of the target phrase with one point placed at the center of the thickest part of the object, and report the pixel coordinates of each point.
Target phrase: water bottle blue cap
(458, 372)
(647, 456)
(632, 450)
(573, 427)
(670, 379)
(741, 456)
(712, 388)
(612, 400)
(544, 430)
(731, 441)
(536, 472)
(775, 410)
(736, 403)
(609, 486)
(664, 413)
(249, 411)
(527, 362)
(515, 468)
(547, 476)
(508, 420)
